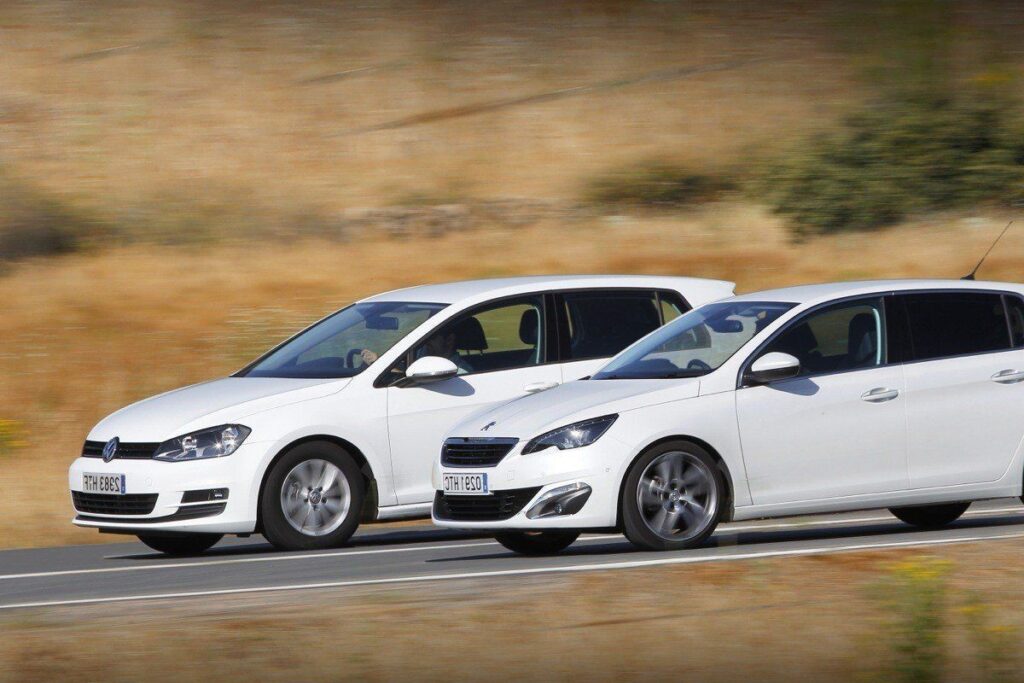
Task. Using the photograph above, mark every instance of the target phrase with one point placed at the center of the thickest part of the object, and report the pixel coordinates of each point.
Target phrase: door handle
(537, 387)
(1008, 376)
(879, 395)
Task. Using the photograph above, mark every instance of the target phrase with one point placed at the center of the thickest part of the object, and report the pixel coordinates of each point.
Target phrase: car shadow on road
(725, 538)
(369, 539)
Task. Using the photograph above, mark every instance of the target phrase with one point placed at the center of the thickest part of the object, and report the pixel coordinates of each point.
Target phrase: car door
(503, 352)
(965, 394)
(597, 324)
(837, 429)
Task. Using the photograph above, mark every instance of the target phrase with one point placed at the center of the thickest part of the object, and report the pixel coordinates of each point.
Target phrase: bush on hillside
(897, 158)
(654, 185)
(35, 224)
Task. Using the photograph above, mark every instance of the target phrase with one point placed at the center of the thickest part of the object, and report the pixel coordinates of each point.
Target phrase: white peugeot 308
(343, 422)
(907, 395)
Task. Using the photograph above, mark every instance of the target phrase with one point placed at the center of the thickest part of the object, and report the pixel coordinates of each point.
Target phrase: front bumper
(238, 473)
(598, 466)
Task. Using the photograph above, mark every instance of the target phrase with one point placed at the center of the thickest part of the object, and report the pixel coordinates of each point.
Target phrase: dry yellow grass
(774, 620)
(158, 114)
(84, 335)
(182, 120)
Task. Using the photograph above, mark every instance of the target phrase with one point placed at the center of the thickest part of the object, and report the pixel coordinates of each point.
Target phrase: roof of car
(831, 290)
(697, 290)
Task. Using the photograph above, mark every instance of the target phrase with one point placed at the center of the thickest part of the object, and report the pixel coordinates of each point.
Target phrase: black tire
(537, 543)
(275, 525)
(930, 516)
(634, 525)
(181, 544)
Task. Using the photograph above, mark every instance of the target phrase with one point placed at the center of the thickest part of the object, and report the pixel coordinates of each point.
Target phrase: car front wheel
(537, 542)
(672, 498)
(181, 544)
(312, 498)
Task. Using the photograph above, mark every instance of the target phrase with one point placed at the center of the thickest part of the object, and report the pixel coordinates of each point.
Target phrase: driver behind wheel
(441, 344)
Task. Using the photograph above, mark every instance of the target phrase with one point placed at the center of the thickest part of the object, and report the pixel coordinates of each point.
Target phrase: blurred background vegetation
(183, 184)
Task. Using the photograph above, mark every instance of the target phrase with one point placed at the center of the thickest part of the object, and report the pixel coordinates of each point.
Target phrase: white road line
(347, 553)
(519, 572)
(270, 558)
(240, 560)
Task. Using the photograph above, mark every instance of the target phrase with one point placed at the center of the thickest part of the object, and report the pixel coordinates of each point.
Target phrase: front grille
(127, 451)
(475, 452)
(107, 504)
(493, 508)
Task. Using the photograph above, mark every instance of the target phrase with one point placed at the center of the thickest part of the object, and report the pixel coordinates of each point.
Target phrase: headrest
(797, 341)
(862, 337)
(528, 325)
(469, 335)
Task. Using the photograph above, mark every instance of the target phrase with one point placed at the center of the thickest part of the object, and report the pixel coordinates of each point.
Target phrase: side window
(602, 323)
(846, 336)
(504, 336)
(955, 324)
(1015, 307)
(672, 306)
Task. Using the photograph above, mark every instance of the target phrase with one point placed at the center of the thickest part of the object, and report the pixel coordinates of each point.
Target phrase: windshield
(344, 344)
(696, 343)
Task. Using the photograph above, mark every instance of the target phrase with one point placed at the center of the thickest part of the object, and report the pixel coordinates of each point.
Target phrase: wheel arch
(712, 451)
(369, 512)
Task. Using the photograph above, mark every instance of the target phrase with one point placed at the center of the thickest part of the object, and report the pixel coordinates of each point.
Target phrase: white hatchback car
(903, 394)
(344, 421)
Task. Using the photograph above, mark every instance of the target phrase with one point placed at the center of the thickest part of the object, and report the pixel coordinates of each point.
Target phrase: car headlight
(215, 442)
(572, 436)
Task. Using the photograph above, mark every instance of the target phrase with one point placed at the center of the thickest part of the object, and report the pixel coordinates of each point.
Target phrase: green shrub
(940, 133)
(906, 155)
(654, 185)
(914, 597)
(35, 224)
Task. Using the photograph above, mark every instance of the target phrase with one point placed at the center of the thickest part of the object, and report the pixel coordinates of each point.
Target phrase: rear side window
(956, 324)
(602, 323)
(1015, 308)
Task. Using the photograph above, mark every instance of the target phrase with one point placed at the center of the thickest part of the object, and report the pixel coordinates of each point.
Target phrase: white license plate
(465, 484)
(103, 483)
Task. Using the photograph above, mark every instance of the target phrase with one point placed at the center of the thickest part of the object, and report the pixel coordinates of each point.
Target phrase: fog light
(204, 495)
(564, 500)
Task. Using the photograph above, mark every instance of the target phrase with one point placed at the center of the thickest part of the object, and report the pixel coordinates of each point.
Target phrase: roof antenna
(970, 276)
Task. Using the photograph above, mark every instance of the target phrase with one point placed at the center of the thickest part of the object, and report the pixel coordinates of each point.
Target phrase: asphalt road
(382, 555)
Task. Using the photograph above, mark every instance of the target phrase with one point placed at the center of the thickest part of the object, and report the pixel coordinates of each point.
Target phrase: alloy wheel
(677, 496)
(315, 497)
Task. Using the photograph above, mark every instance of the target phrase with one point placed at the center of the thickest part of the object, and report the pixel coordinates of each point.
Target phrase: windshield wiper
(678, 374)
(675, 374)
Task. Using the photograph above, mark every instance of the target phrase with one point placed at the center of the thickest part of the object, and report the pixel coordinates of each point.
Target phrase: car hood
(535, 414)
(209, 404)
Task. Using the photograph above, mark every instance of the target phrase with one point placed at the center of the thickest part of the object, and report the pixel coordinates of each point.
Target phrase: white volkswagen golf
(344, 421)
(907, 395)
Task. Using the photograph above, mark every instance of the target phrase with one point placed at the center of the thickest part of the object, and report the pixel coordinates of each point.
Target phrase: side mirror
(430, 369)
(772, 367)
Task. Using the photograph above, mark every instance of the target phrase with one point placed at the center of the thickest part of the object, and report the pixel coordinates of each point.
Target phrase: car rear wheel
(930, 516)
(312, 498)
(672, 498)
(181, 544)
(537, 542)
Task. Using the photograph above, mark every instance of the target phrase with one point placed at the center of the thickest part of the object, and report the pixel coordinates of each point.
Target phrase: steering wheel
(697, 364)
(350, 358)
